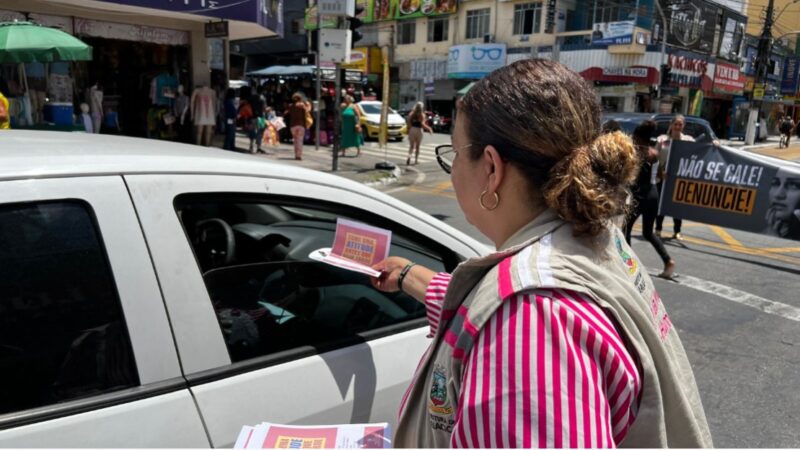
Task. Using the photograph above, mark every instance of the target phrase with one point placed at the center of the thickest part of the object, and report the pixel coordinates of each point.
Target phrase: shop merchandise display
(203, 108)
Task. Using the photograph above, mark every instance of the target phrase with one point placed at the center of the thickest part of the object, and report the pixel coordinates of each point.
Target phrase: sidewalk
(360, 169)
(769, 148)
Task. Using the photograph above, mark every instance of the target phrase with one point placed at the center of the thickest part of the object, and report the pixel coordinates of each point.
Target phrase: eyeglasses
(479, 53)
(446, 154)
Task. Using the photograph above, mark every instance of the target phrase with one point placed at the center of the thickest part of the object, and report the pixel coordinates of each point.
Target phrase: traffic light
(355, 23)
(666, 70)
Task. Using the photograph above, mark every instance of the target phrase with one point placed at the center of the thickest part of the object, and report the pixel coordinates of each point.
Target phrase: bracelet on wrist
(403, 274)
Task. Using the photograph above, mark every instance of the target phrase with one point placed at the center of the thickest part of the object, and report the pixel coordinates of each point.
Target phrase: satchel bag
(309, 119)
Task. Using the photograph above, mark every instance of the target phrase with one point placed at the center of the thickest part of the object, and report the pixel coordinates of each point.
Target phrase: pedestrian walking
(786, 128)
(416, 123)
(645, 194)
(297, 123)
(351, 126)
(664, 146)
(256, 130)
(558, 338)
(230, 112)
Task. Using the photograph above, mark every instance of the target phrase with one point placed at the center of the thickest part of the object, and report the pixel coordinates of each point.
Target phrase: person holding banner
(783, 215)
(521, 336)
(645, 194)
(674, 133)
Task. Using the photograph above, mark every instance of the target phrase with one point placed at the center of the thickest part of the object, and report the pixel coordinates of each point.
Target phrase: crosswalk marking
(396, 152)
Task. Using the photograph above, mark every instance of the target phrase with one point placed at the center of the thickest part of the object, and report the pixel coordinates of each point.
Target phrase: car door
(264, 333)
(87, 356)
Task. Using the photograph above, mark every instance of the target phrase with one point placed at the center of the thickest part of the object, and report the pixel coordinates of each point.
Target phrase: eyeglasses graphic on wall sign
(454, 54)
(493, 53)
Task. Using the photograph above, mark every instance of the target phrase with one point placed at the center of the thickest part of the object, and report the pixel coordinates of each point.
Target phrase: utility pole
(663, 50)
(319, 83)
(764, 46)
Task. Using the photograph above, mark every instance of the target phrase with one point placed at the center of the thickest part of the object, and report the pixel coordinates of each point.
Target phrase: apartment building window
(438, 29)
(527, 18)
(478, 23)
(406, 33)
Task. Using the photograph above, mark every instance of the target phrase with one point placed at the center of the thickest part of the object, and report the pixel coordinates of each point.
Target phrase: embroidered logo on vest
(626, 258)
(439, 403)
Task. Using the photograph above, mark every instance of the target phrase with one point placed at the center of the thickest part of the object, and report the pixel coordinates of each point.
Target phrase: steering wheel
(215, 243)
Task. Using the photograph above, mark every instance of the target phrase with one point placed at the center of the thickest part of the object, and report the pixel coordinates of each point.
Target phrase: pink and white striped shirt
(549, 369)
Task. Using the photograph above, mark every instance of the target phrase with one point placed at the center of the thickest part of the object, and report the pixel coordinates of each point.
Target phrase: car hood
(393, 118)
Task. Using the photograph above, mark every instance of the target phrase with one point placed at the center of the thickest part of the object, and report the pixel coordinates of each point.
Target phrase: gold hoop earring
(496, 201)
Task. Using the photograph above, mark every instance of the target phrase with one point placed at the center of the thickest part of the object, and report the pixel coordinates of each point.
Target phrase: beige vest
(544, 254)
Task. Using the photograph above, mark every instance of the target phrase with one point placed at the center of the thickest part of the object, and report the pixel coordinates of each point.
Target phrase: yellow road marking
(730, 240)
(430, 191)
(781, 249)
(732, 245)
(742, 249)
(441, 187)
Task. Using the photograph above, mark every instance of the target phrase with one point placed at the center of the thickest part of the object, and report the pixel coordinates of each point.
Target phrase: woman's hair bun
(591, 185)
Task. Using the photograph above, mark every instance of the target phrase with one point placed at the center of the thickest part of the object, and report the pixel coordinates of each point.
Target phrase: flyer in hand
(356, 247)
(270, 435)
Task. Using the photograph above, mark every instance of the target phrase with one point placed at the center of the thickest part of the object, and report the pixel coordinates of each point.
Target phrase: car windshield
(371, 108)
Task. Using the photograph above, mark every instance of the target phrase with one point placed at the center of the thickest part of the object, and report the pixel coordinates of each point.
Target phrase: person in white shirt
(674, 133)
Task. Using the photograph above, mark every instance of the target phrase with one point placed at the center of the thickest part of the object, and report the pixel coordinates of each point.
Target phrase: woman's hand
(390, 273)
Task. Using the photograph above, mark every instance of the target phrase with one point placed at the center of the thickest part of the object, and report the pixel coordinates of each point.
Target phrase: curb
(390, 178)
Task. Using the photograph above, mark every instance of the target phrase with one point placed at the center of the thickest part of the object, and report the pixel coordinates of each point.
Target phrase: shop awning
(272, 71)
(248, 19)
(463, 91)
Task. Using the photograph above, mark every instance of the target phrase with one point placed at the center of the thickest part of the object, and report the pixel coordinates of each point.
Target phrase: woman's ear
(495, 167)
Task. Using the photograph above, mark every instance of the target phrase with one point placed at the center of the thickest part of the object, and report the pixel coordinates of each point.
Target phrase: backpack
(786, 126)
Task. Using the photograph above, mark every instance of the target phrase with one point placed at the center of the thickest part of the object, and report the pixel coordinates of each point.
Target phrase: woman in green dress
(351, 126)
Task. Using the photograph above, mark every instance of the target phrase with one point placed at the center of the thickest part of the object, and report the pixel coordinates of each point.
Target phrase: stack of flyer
(270, 435)
(356, 247)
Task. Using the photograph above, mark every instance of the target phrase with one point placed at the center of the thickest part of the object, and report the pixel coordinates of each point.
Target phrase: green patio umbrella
(25, 42)
(463, 91)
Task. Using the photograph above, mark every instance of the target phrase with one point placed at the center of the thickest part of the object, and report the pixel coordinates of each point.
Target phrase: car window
(268, 295)
(370, 108)
(62, 332)
(697, 131)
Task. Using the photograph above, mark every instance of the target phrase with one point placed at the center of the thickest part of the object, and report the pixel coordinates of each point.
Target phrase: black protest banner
(733, 189)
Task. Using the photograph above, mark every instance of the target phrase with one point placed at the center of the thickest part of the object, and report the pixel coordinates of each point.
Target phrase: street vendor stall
(46, 104)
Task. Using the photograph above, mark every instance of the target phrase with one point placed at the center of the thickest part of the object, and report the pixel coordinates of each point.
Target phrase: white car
(371, 121)
(161, 295)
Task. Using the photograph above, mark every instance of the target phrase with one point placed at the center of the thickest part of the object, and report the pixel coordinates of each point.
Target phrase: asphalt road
(735, 302)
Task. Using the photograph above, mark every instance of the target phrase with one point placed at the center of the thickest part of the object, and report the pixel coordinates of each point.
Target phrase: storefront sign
(728, 79)
(216, 29)
(550, 17)
(730, 43)
(691, 24)
(613, 33)
(359, 59)
(380, 10)
(267, 13)
(428, 68)
(775, 66)
(412, 9)
(758, 92)
(473, 61)
(128, 32)
(687, 71)
(635, 72)
(790, 76)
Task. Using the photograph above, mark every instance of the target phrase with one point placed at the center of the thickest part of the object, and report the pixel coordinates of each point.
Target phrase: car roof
(43, 154)
(663, 116)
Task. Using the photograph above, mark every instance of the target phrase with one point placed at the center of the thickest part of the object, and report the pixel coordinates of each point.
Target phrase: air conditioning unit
(488, 38)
